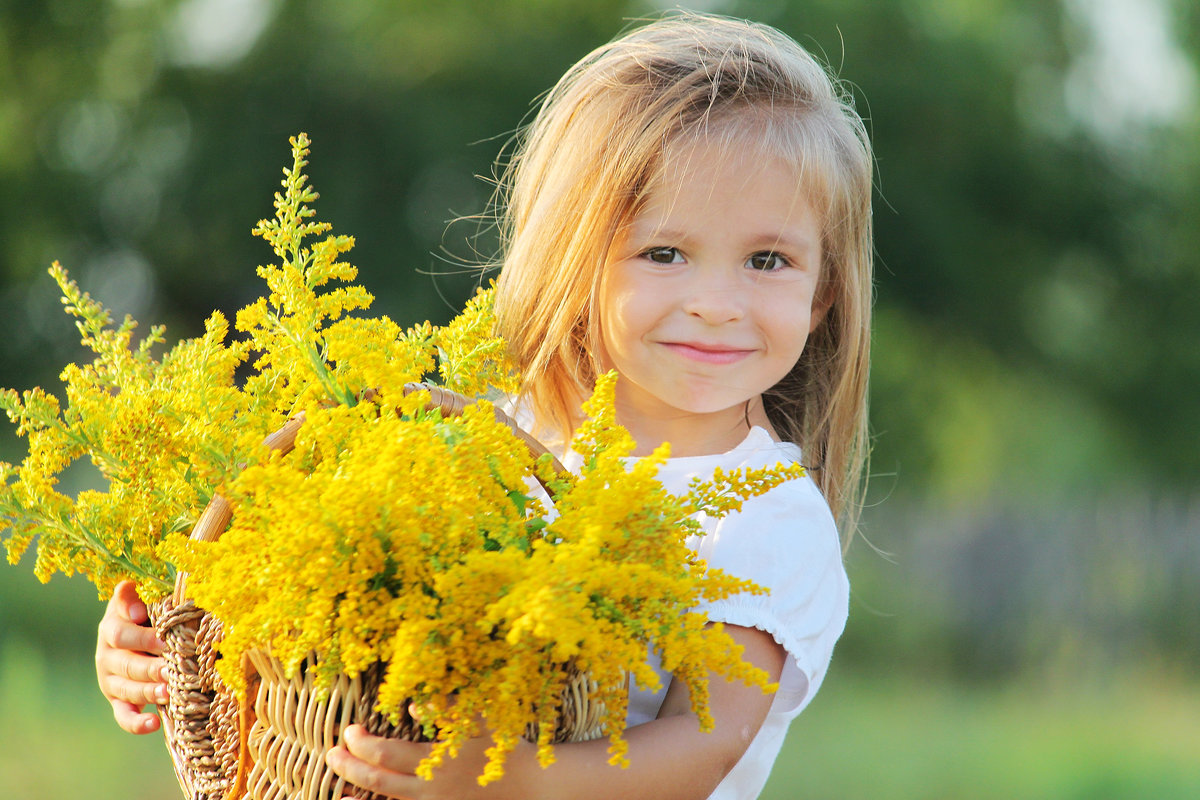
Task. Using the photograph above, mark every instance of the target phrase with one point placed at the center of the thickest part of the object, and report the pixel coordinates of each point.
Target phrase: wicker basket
(272, 746)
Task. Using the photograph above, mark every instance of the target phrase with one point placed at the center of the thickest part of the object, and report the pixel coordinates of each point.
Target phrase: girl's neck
(692, 434)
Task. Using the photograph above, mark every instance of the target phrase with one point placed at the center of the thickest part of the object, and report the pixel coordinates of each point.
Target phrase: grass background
(866, 736)
(896, 718)
(899, 737)
(960, 675)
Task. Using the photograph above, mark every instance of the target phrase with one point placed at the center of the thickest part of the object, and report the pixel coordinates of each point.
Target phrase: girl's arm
(669, 758)
(128, 667)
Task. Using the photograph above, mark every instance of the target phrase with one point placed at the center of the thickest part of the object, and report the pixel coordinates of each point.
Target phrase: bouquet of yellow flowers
(437, 551)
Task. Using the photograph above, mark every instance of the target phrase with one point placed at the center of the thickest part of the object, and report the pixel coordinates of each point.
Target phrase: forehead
(696, 178)
(739, 150)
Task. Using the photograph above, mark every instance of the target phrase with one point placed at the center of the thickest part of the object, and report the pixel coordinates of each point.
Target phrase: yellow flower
(391, 534)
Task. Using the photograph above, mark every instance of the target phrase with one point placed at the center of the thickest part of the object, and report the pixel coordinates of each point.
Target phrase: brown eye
(662, 255)
(766, 262)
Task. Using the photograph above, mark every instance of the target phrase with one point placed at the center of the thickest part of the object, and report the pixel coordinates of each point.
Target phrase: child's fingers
(126, 603)
(125, 651)
(123, 624)
(384, 766)
(395, 755)
(371, 776)
(115, 633)
(130, 718)
(128, 674)
(141, 691)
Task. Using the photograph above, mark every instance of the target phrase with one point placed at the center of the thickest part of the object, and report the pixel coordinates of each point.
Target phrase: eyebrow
(766, 241)
(788, 242)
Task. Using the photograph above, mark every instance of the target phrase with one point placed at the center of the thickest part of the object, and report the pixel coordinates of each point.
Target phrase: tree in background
(1037, 215)
(1036, 219)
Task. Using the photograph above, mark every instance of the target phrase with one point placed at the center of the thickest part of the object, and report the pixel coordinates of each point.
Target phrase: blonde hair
(584, 165)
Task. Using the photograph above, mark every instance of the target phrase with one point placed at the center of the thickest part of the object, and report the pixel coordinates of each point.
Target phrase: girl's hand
(388, 767)
(129, 668)
(670, 758)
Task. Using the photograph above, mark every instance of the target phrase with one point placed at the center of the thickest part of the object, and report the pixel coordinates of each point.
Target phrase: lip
(707, 353)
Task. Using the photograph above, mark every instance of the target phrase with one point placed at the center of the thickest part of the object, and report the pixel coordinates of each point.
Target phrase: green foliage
(907, 737)
(1036, 285)
(158, 431)
(882, 739)
(59, 739)
(1008, 224)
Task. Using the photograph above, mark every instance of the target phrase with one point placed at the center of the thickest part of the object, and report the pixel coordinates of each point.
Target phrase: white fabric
(787, 541)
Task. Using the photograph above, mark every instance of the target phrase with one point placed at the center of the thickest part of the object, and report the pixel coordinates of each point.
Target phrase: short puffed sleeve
(786, 541)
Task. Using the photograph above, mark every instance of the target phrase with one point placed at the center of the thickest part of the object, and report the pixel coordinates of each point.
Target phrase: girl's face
(709, 297)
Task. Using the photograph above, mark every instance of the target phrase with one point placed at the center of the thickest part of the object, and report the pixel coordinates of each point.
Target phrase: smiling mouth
(707, 354)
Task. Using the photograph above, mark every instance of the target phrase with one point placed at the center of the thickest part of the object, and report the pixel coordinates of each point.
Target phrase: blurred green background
(1026, 602)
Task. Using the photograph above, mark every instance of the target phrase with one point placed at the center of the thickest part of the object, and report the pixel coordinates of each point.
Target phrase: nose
(715, 299)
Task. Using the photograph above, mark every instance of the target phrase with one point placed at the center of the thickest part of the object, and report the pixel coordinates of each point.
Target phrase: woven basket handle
(218, 513)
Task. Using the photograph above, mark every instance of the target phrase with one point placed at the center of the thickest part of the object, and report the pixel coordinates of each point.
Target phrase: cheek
(790, 338)
(604, 345)
(621, 311)
(795, 311)
(610, 311)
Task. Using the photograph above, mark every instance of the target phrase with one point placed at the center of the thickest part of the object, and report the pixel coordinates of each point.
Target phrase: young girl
(691, 207)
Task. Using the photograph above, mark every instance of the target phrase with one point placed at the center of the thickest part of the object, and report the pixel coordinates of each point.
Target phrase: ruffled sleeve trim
(785, 541)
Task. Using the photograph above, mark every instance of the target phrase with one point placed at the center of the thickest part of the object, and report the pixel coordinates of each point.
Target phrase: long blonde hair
(583, 166)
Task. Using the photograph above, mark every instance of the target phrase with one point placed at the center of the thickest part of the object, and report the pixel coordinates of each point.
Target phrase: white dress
(787, 541)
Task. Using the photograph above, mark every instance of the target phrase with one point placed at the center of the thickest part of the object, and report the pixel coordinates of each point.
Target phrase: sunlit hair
(584, 167)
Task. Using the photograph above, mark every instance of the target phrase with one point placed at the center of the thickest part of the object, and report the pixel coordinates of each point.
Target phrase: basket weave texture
(200, 718)
(272, 745)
